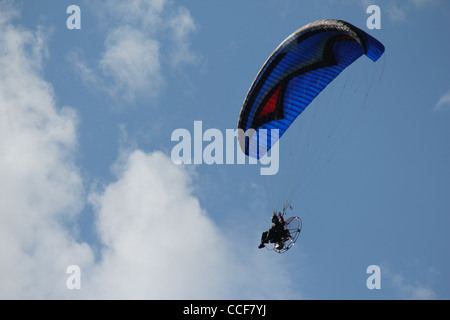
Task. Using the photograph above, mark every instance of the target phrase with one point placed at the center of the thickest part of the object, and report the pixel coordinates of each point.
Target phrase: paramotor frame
(293, 228)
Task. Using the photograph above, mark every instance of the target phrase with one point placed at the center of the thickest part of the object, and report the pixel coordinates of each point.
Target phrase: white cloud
(160, 244)
(182, 26)
(40, 187)
(140, 34)
(443, 103)
(157, 241)
(8, 10)
(137, 13)
(398, 10)
(407, 290)
(132, 60)
(412, 291)
(86, 74)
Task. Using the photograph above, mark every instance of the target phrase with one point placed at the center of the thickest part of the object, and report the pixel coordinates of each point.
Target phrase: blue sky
(86, 118)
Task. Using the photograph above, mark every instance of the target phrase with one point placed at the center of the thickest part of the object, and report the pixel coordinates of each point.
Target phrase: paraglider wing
(296, 72)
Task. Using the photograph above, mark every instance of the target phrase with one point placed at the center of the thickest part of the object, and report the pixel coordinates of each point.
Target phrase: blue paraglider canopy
(296, 72)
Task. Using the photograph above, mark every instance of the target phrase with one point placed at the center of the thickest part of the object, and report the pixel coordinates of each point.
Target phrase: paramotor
(290, 235)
